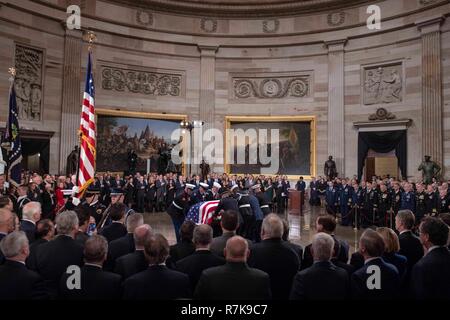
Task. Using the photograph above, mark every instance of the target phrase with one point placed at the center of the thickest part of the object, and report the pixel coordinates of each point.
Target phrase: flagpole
(91, 39)
(7, 144)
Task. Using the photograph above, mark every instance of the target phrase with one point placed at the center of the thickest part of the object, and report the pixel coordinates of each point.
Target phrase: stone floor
(302, 228)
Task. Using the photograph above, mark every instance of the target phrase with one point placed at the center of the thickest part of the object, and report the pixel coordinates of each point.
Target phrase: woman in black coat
(151, 194)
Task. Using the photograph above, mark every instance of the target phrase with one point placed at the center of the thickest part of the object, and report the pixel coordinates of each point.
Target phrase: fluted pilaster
(431, 88)
(207, 87)
(71, 95)
(336, 146)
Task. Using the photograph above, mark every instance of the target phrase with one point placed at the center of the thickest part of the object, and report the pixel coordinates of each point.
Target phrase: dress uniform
(444, 203)
(408, 201)
(262, 199)
(179, 207)
(396, 200)
(246, 212)
(345, 203)
(331, 199)
(200, 194)
(370, 207)
(384, 209)
(431, 203)
(421, 205)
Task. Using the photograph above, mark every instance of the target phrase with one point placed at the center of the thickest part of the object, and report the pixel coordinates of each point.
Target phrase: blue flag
(11, 141)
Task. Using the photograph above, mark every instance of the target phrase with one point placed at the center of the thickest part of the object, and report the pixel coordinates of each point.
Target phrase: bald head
(236, 249)
(141, 234)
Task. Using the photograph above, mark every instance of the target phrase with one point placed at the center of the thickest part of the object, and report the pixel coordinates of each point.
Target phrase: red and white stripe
(207, 210)
(87, 151)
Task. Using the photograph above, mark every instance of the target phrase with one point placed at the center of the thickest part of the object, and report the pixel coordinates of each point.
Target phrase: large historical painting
(150, 138)
(295, 152)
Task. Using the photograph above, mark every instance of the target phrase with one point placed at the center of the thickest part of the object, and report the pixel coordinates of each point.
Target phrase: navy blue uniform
(408, 201)
(345, 203)
(331, 198)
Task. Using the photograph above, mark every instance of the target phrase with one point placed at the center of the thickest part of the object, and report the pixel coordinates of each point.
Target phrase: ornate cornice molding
(242, 9)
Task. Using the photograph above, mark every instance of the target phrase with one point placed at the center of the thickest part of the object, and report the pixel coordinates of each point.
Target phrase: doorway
(381, 164)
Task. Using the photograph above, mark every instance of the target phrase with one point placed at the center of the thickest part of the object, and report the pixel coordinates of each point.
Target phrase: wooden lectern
(295, 201)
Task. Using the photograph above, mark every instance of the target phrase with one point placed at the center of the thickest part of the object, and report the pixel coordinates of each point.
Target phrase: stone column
(336, 146)
(207, 91)
(431, 88)
(71, 95)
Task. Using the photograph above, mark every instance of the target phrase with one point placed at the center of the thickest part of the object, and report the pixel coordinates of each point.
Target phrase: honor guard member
(92, 204)
(117, 196)
(408, 199)
(227, 202)
(431, 201)
(262, 199)
(213, 193)
(200, 194)
(245, 210)
(421, 203)
(331, 198)
(178, 208)
(396, 198)
(345, 202)
(384, 207)
(370, 205)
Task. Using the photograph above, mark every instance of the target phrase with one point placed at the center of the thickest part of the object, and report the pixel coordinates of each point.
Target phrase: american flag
(86, 167)
(202, 212)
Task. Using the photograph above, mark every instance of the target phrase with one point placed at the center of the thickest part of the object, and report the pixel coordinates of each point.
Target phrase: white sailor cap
(234, 187)
(217, 185)
(256, 186)
(204, 185)
(190, 186)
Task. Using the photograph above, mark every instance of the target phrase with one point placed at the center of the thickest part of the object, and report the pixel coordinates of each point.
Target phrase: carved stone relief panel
(383, 83)
(270, 86)
(157, 83)
(28, 82)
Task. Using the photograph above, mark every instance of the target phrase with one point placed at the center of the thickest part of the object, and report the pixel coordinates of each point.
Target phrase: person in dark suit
(125, 244)
(274, 257)
(22, 192)
(229, 224)
(314, 283)
(157, 281)
(45, 231)
(31, 214)
(410, 245)
(185, 247)
(95, 284)
(55, 256)
(384, 282)
(6, 226)
(16, 281)
(83, 224)
(297, 248)
(327, 223)
(235, 280)
(116, 229)
(134, 262)
(391, 249)
(202, 258)
(431, 275)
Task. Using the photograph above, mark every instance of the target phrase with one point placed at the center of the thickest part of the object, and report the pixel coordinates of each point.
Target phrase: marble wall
(334, 50)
